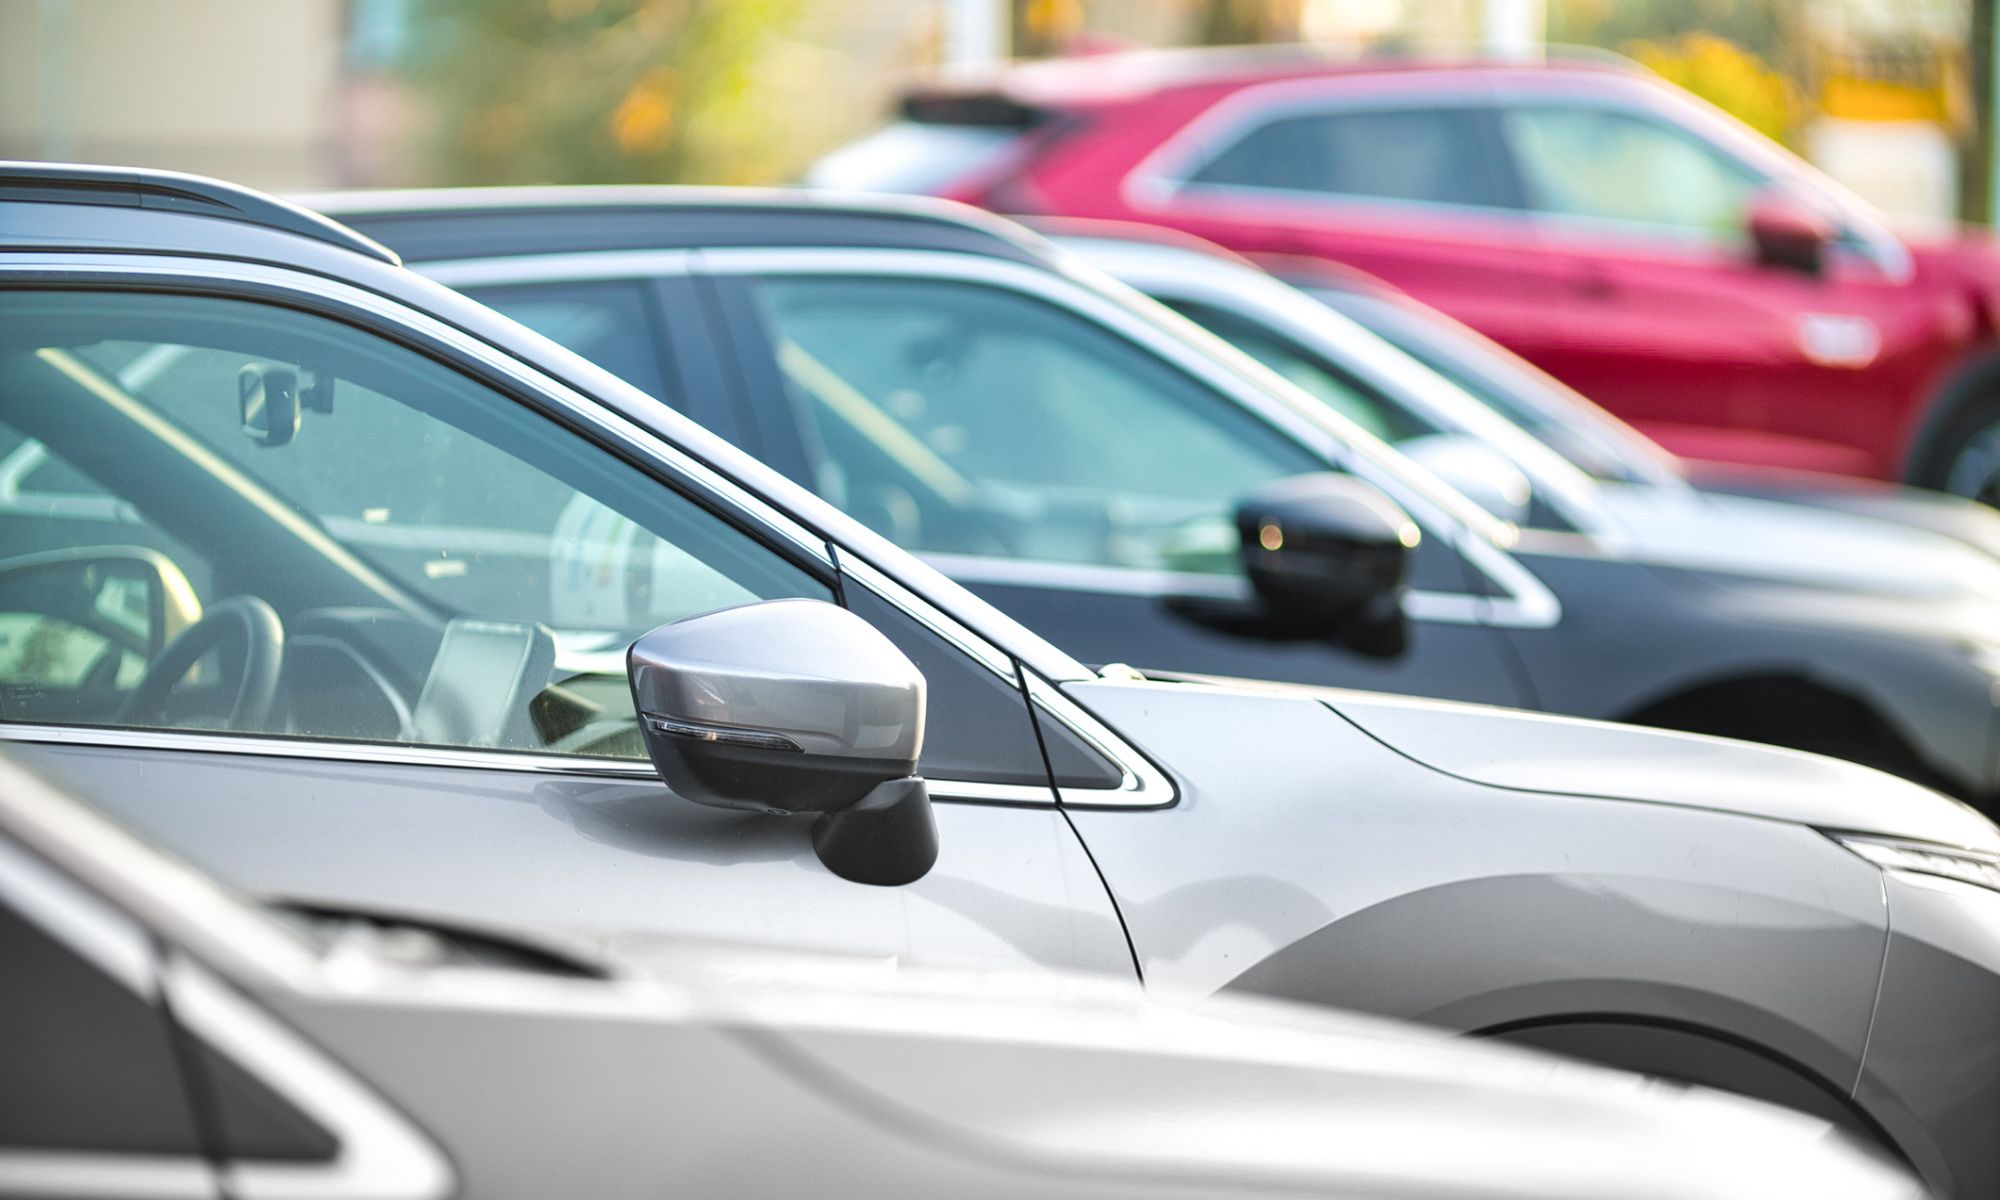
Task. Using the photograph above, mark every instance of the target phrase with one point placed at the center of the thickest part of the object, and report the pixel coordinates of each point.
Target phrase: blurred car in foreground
(1688, 274)
(1090, 464)
(364, 596)
(164, 1038)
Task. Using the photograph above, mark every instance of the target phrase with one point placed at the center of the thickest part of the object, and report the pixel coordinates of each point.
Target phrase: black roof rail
(171, 191)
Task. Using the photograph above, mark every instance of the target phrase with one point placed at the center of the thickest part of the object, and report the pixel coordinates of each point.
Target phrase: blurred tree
(1727, 76)
(599, 91)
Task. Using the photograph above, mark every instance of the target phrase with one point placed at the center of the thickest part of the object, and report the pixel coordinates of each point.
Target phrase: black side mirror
(794, 706)
(267, 400)
(1787, 233)
(1327, 555)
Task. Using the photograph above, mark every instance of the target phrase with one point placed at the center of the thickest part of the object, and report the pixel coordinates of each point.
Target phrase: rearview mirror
(1476, 470)
(1327, 555)
(1788, 233)
(267, 401)
(793, 706)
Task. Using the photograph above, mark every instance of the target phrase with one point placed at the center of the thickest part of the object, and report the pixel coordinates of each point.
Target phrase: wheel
(1961, 452)
(262, 635)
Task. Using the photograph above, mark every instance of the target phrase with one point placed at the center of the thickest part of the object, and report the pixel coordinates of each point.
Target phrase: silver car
(352, 592)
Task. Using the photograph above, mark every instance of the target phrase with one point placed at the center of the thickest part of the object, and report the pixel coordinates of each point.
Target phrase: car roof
(430, 225)
(1129, 75)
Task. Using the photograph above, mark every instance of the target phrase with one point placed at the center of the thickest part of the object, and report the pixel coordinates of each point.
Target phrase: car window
(961, 418)
(1604, 164)
(608, 321)
(1364, 406)
(1431, 155)
(429, 561)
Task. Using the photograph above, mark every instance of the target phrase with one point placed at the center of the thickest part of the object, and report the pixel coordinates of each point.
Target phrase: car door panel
(598, 855)
(546, 552)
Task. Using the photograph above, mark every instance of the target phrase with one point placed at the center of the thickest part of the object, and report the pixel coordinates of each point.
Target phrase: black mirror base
(888, 838)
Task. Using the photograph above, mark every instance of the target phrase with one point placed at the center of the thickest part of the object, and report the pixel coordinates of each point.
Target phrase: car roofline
(797, 216)
(174, 191)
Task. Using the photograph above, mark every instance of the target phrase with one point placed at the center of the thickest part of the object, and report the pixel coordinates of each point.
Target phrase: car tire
(1960, 453)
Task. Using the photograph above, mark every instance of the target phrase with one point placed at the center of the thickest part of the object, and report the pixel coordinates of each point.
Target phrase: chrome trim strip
(502, 270)
(392, 754)
(1449, 608)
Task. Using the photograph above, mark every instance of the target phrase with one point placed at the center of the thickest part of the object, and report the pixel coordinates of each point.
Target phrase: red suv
(1685, 272)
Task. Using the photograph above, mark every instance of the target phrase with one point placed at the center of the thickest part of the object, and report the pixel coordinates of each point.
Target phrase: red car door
(1405, 182)
(1663, 314)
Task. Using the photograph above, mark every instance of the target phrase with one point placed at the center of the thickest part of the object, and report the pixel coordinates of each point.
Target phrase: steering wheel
(247, 618)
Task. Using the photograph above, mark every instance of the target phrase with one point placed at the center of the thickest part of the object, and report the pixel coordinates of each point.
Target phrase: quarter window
(1428, 155)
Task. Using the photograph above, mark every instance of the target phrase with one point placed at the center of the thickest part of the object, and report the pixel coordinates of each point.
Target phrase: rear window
(913, 156)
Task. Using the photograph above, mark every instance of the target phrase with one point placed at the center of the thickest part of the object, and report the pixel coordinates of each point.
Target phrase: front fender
(1308, 860)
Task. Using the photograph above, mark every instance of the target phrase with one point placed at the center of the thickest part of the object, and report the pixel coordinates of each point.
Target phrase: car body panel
(1013, 887)
(1656, 912)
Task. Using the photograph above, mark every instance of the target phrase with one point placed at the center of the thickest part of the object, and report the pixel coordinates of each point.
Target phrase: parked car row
(368, 601)
(1673, 265)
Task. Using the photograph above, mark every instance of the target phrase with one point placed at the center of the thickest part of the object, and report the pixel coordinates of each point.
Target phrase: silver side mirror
(793, 706)
(1480, 473)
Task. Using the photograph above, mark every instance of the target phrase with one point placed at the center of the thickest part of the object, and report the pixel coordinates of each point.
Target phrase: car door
(1377, 173)
(985, 416)
(1662, 313)
(433, 558)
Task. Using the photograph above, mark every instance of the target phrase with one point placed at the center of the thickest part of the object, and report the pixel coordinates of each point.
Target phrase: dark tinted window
(87, 1063)
(1433, 155)
(608, 321)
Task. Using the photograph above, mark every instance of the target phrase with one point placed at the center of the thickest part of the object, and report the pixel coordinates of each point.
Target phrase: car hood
(1955, 517)
(1534, 752)
(1803, 544)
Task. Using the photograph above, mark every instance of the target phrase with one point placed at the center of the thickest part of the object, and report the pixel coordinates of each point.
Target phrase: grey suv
(375, 597)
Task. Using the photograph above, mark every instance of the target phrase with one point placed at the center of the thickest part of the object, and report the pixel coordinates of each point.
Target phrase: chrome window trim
(1447, 608)
(379, 1155)
(185, 741)
(1526, 602)
(580, 267)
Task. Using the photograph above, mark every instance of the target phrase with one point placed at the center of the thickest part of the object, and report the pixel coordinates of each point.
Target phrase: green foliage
(598, 91)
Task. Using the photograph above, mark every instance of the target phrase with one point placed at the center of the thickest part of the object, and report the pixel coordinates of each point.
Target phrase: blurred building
(244, 89)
